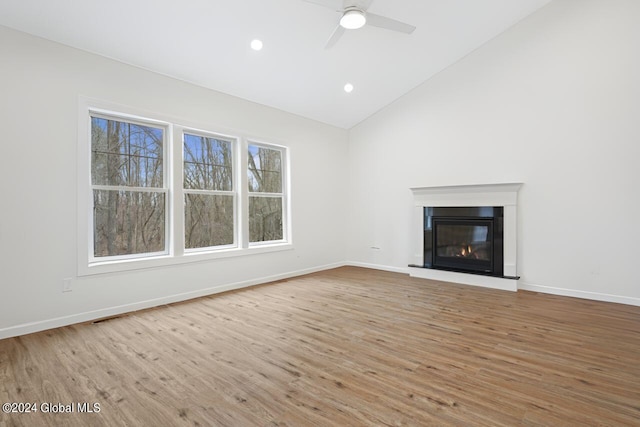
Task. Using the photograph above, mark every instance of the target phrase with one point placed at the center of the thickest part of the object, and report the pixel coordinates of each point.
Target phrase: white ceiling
(206, 42)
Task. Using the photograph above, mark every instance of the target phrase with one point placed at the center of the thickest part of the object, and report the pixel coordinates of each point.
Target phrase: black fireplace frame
(491, 217)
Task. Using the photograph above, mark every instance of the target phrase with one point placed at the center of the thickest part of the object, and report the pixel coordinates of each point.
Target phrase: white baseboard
(579, 294)
(28, 328)
(500, 284)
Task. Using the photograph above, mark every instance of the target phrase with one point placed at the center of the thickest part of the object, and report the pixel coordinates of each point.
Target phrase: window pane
(265, 219)
(127, 222)
(208, 220)
(126, 154)
(208, 163)
(265, 170)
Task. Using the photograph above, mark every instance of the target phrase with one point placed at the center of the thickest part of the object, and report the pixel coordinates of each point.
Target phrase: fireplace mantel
(500, 194)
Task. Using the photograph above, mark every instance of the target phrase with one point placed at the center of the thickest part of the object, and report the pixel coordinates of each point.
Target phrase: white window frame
(175, 253)
(166, 128)
(234, 187)
(283, 194)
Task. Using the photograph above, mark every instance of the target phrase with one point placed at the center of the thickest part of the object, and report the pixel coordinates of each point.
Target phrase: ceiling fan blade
(337, 33)
(331, 4)
(388, 23)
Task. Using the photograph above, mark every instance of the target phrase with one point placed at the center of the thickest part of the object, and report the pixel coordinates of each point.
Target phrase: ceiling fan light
(256, 44)
(353, 19)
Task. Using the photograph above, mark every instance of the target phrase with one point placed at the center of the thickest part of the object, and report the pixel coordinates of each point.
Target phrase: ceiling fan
(354, 15)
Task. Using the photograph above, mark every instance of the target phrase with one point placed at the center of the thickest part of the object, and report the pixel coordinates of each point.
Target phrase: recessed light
(256, 44)
(348, 88)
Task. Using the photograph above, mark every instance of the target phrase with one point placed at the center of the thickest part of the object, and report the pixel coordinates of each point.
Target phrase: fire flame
(466, 251)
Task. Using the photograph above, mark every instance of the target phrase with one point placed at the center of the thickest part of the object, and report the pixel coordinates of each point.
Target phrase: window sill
(106, 267)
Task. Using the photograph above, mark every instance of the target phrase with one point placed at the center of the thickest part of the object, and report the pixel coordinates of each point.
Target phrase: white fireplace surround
(502, 194)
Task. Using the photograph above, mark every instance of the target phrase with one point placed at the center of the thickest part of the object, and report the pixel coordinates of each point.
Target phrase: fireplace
(464, 239)
(465, 234)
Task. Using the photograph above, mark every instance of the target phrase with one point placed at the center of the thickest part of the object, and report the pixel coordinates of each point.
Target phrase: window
(208, 190)
(266, 196)
(129, 193)
(152, 192)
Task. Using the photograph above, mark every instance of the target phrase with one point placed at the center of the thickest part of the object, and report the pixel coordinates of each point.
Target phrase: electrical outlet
(66, 284)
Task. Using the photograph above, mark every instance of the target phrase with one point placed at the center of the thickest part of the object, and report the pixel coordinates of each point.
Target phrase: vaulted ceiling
(207, 42)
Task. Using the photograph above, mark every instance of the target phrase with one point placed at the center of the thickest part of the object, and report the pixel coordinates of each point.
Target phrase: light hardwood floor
(344, 347)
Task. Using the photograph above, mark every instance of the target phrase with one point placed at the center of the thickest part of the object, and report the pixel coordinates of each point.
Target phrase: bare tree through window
(266, 198)
(208, 186)
(127, 175)
(156, 198)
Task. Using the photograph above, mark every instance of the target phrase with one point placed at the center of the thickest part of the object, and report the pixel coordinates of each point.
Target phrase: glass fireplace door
(463, 244)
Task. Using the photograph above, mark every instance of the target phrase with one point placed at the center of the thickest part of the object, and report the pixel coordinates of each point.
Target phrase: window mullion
(177, 211)
(209, 192)
(131, 189)
(256, 194)
(243, 193)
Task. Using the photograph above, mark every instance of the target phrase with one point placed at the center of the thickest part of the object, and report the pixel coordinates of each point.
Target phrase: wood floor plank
(348, 346)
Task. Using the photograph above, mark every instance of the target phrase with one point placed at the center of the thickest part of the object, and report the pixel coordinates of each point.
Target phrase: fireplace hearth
(464, 239)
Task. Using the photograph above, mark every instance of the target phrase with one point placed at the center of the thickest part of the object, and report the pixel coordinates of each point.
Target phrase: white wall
(554, 102)
(40, 85)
